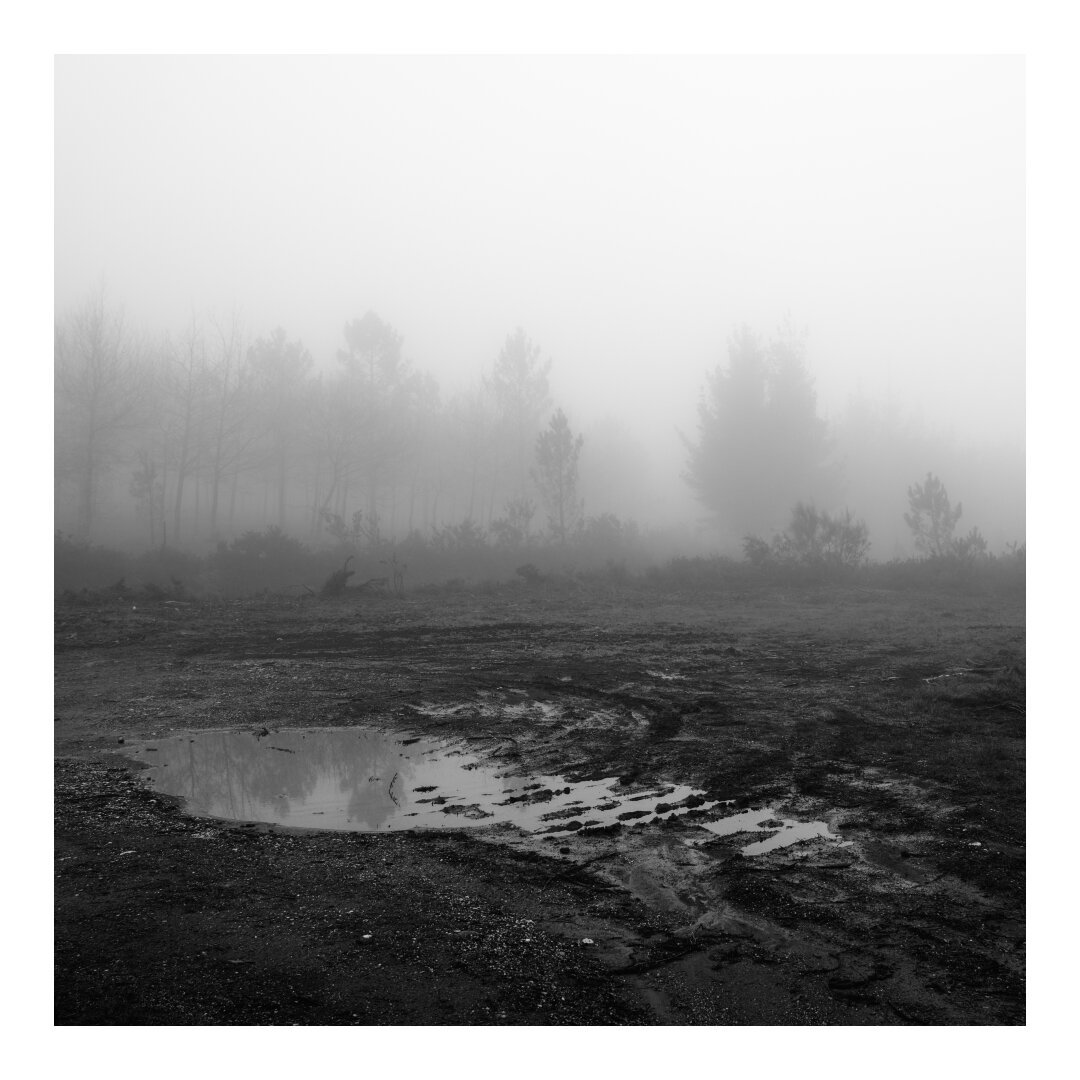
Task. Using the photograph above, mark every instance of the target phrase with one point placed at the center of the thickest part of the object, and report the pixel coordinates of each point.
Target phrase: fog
(630, 215)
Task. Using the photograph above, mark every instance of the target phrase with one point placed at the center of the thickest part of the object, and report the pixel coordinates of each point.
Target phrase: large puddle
(363, 780)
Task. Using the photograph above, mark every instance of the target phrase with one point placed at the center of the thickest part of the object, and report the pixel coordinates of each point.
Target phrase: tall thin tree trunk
(491, 498)
(181, 473)
(281, 484)
(472, 488)
(232, 499)
(215, 488)
(87, 479)
(412, 499)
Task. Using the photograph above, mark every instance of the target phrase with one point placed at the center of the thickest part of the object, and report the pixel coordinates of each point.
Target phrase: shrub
(467, 534)
(167, 568)
(512, 529)
(931, 517)
(819, 541)
(78, 565)
(756, 551)
(969, 549)
(258, 561)
(351, 534)
(983, 574)
(530, 574)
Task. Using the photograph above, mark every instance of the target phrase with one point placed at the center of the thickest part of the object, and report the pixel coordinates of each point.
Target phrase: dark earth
(898, 717)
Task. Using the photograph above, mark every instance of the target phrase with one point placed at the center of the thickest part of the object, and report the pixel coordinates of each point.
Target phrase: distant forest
(188, 441)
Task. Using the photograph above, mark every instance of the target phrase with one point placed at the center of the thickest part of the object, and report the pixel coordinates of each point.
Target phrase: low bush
(816, 548)
(529, 574)
(267, 561)
(969, 549)
(78, 565)
(1006, 573)
(757, 552)
(816, 544)
(176, 572)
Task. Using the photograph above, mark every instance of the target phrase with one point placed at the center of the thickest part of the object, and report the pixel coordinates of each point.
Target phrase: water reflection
(286, 776)
(364, 780)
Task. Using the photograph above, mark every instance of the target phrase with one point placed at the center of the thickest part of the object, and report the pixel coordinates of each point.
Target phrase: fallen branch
(336, 582)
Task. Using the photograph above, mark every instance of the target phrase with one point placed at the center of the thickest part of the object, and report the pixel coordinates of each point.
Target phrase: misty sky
(627, 212)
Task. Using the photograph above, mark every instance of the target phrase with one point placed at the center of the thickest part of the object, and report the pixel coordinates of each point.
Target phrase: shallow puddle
(367, 781)
(362, 780)
(784, 831)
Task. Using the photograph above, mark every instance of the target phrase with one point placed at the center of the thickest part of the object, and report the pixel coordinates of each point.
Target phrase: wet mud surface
(882, 732)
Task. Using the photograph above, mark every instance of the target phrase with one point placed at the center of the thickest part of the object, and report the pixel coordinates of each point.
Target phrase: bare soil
(897, 717)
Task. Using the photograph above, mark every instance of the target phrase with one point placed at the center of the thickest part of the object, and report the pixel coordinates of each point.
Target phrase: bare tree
(230, 432)
(186, 383)
(279, 369)
(469, 459)
(147, 488)
(336, 436)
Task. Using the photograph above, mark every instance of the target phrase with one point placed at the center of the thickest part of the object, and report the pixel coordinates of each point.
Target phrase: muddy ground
(896, 717)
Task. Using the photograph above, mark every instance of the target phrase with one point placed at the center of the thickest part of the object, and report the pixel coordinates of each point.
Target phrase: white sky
(628, 212)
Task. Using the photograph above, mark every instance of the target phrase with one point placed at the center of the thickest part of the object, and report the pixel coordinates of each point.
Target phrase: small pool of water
(363, 780)
(783, 831)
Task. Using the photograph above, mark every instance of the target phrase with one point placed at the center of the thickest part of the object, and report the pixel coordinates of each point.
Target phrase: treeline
(192, 441)
(210, 433)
